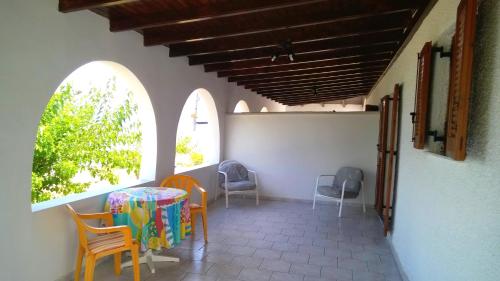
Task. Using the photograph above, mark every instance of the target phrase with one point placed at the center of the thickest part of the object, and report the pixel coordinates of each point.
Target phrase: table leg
(149, 258)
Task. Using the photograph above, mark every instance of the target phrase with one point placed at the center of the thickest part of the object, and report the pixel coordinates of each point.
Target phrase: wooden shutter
(422, 96)
(381, 154)
(460, 80)
(391, 173)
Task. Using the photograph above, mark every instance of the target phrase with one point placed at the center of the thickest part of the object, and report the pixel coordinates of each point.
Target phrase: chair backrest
(180, 181)
(352, 176)
(80, 226)
(235, 171)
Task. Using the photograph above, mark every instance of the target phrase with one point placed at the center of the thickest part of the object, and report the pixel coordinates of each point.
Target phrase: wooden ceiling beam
(386, 49)
(196, 13)
(296, 34)
(313, 77)
(317, 99)
(295, 16)
(324, 100)
(321, 82)
(347, 62)
(250, 57)
(302, 95)
(366, 66)
(307, 89)
(67, 6)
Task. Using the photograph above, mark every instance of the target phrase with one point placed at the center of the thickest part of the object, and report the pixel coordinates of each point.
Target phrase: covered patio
(103, 98)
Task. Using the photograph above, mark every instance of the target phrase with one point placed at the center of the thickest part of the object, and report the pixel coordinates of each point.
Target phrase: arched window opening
(197, 141)
(264, 109)
(97, 132)
(241, 107)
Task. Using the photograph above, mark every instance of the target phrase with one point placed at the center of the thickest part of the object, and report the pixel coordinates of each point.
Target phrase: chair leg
(340, 209)
(227, 199)
(135, 262)
(363, 198)
(193, 223)
(89, 267)
(315, 192)
(205, 224)
(118, 263)
(341, 203)
(79, 260)
(257, 197)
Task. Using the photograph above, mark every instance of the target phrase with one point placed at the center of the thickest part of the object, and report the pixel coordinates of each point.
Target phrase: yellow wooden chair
(187, 183)
(110, 240)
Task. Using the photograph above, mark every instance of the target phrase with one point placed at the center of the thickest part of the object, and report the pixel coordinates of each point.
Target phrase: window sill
(84, 195)
(179, 170)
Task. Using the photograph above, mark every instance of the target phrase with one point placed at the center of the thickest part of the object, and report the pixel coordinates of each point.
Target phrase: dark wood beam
(199, 12)
(316, 99)
(313, 77)
(303, 95)
(318, 83)
(321, 100)
(347, 61)
(239, 58)
(66, 6)
(308, 89)
(296, 16)
(297, 73)
(297, 34)
(386, 49)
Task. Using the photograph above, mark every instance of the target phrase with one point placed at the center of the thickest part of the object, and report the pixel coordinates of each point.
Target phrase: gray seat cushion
(239, 185)
(237, 176)
(352, 177)
(328, 190)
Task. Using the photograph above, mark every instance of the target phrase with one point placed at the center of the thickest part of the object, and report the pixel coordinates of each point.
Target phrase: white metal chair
(234, 178)
(347, 183)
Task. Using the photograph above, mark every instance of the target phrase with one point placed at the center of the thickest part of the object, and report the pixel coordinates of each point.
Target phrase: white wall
(38, 49)
(288, 150)
(447, 223)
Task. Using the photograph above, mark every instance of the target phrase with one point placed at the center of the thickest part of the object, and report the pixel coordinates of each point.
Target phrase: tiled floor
(277, 241)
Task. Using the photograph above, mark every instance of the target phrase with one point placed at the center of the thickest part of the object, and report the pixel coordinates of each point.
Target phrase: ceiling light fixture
(285, 48)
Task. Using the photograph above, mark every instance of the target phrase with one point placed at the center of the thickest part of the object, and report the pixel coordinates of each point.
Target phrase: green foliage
(183, 145)
(196, 158)
(187, 154)
(84, 133)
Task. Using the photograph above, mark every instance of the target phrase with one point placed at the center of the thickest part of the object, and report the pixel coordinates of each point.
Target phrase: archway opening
(197, 139)
(97, 132)
(241, 107)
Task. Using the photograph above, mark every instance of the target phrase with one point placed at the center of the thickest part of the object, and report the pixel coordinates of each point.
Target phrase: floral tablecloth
(158, 217)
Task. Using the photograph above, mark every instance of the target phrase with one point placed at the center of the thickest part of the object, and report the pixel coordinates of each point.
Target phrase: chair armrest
(203, 193)
(254, 173)
(225, 179)
(224, 173)
(125, 230)
(320, 176)
(106, 217)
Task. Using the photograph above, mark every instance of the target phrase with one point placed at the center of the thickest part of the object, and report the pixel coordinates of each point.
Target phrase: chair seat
(239, 186)
(330, 191)
(106, 242)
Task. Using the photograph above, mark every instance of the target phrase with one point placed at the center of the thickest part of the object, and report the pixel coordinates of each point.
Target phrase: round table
(159, 217)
